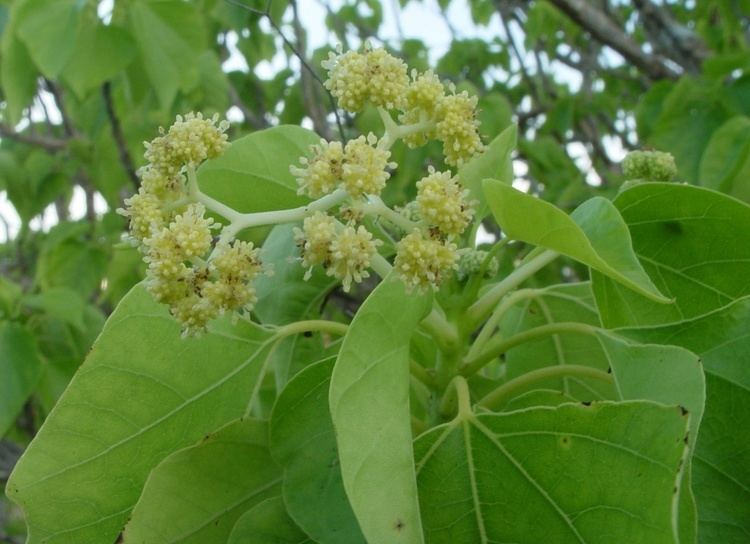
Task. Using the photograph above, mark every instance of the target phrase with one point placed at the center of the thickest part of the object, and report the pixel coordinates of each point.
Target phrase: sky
(420, 19)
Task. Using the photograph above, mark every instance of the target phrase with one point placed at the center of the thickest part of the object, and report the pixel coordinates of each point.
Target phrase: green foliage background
(83, 88)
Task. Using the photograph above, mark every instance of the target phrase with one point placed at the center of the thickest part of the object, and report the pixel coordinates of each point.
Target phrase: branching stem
(497, 346)
(496, 398)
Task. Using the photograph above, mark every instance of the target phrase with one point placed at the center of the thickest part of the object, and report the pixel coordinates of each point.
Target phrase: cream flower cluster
(344, 251)
(422, 262)
(197, 280)
(442, 203)
(374, 76)
(649, 166)
(360, 168)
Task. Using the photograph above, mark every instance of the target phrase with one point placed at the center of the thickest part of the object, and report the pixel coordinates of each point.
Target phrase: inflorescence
(201, 273)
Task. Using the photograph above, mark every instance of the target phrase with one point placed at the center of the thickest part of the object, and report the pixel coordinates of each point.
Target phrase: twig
(603, 29)
(48, 143)
(305, 65)
(122, 146)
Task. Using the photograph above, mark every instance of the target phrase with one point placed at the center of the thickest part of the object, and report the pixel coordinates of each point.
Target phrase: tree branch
(48, 143)
(119, 137)
(607, 32)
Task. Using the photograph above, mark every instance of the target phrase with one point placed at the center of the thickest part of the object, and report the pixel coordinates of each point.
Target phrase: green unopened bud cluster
(649, 166)
(197, 279)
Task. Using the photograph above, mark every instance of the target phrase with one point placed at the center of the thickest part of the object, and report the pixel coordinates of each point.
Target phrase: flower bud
(649, 166)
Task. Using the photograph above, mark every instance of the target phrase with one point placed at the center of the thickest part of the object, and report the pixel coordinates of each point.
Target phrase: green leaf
(20, 368)
(267, 523)
(49, 29)
(557, 304)
(694, 242)
(142, 393)
(725, 165)
(101, 52)
(567, 474)
(170, 36)
(231, 471)
(495, 162)
(303, 442)
(721, 462)
(17, 72)
(594, 234)
(369, 402)
(253, 174)
(287, 296)
(691, 112)
(60, 303)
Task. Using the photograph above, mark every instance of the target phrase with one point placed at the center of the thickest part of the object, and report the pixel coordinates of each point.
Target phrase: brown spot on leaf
(399, 525)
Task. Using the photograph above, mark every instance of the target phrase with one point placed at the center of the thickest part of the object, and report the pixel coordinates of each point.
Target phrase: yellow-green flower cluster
(458, 128)
(442, 203)
(373, 76)
(185, 271)
(360, 168)
(188, 142)
(323, 172)
(344, 251)
(422, 262)
(649, 166)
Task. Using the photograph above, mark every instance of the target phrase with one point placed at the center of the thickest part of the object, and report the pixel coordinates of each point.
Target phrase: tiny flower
(238, 261)
(649, 166)
(193, 313)
(166, 188)
(457, 127)
(314, 240)
(376, 76)
(425, 92)
(144, 210)
(424, 262)
(364, 170)
(347, 79)
(188, 142)
(191, 231)
(351, 252)
(387, 79)
(322, 173)
(442, 203)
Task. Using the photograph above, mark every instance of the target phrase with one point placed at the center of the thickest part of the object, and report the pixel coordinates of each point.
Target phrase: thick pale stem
(376, 206)
(457, 395)
(497, 397)
(498, 346)
(478, 311)
(312, 325)
(492, 323)
(394, 131)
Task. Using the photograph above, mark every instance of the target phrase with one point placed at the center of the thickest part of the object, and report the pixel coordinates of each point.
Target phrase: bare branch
(607, 32)
(122, 145)
(48, 143)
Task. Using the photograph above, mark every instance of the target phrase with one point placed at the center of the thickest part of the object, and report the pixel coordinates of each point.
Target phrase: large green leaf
(230, 470)
(253, 174)
(564, 303)
(572, 473)
(725, 165)
(170, 36)
(721, 463)
(495, 162)
(49, 29)
(694, 242)
(303, 442)
(267, 523)
(369, 402)
(101, 52)
(142, 393)
(20, 367)
(594, 234)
